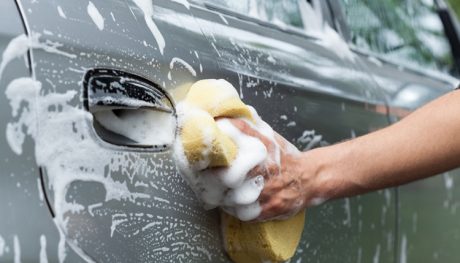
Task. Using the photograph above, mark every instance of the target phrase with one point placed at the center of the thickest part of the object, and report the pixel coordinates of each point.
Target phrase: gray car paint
(427, 209)
(304, 77)
(171, 225)
(26, 228)
(336, 108)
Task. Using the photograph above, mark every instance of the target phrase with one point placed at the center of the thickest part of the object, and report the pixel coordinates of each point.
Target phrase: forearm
(425, 143)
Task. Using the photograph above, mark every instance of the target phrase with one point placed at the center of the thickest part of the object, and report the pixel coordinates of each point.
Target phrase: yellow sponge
(202, 140)
(217, 97)
(272, 241)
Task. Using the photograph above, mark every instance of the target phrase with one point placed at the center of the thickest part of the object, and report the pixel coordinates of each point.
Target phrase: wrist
(320, 178)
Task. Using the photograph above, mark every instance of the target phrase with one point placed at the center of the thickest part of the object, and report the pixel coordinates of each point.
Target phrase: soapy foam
(251, 152)
(183, 63)
(69, 152)
(59, 154)
(95, 15)
(228, 187)
(43, 256)
(247, 193)
(143, 126)
(2, 246)
(19, 45)
(16, 249)
(61, 12)
(147, 7)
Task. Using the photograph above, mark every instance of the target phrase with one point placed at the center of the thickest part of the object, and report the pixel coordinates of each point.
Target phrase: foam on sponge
(209, 140)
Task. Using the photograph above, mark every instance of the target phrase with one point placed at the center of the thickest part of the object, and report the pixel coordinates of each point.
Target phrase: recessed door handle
(129, 110)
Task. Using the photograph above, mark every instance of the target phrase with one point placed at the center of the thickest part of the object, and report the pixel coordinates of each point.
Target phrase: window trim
(287, 28)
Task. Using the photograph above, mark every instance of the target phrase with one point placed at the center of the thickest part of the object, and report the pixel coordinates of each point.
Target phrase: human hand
(288, 176)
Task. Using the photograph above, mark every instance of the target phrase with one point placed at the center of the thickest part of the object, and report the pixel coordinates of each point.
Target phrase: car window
(282, 13)
(407, 31)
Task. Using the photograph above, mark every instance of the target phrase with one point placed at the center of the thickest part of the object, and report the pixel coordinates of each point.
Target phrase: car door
(305, 82)
(26, 231)
(114, 197)
(404, 47)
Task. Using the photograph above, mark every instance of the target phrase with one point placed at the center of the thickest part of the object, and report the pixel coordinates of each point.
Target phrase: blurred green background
(455, 4)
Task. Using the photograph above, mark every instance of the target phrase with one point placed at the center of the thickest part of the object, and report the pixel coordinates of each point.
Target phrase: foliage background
(455, 4)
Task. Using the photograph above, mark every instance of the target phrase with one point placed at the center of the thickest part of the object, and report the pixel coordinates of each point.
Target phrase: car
(88, 120)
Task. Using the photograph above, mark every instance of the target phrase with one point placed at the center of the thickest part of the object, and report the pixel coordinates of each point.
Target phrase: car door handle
(129, 110)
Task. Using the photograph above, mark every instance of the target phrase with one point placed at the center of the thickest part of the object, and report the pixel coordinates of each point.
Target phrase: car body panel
(112, 203)
(313, 95)
(427, 209)
(119, 204)
(27, 231)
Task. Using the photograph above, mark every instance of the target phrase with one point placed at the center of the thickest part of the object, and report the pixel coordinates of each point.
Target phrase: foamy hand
(283, 194)
(232, 187)
(259, 183)
(227, 154)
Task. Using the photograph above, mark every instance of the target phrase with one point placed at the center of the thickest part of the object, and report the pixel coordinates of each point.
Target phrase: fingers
(269, 167)
(281, 198)
(248, 130)
(267, 170)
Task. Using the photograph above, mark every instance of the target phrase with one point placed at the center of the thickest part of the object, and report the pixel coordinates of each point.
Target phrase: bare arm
(423, 144)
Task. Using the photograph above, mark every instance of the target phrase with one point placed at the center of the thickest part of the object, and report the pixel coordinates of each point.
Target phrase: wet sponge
(272, 241)
(201, 138)
(205, 145)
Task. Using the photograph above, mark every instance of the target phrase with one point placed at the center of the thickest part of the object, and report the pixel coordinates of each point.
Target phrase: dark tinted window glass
(403, 30)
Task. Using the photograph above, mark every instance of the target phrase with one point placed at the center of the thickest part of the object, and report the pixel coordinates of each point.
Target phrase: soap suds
(448, 181)
(95, 15)
(223, 18)
(229, 188)
(2, 246)
(183, 63)
(16, 249)
(61, 12)
(43, 256)
(145, 127)
(376, 258)
(62, 251)
(146, 6)
(67, 148)
(113, 17)
(19, 45)
(309, 140)
(403, 257)
(347, 208)
(251, 152)
(317, 201)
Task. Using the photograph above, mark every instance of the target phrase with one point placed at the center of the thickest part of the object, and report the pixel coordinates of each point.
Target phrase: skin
(425, 143)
